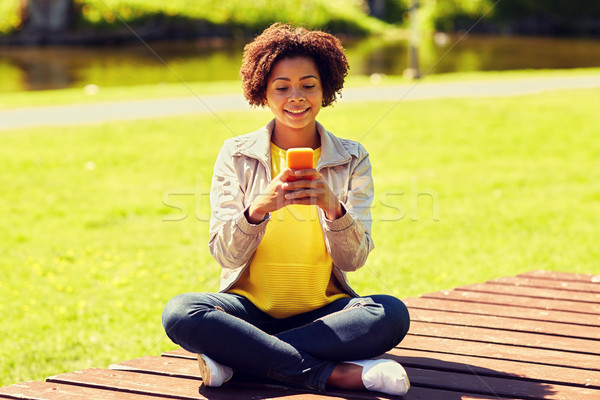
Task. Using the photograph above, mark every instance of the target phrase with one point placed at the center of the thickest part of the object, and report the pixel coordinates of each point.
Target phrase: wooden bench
(533, 336)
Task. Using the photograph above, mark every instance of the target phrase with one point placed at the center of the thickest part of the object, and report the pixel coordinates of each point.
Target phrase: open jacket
(243, 171)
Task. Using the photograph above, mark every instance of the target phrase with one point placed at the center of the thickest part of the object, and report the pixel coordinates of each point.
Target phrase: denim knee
(396, 318)
(176, 316)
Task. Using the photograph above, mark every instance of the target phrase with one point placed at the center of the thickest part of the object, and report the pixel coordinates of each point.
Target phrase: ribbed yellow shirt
(291, 270)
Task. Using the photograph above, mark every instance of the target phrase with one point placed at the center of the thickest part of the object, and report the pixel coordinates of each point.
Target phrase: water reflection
(62, 67)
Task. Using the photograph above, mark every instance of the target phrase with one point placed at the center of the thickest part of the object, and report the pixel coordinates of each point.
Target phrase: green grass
(117, 93)
(91, 253)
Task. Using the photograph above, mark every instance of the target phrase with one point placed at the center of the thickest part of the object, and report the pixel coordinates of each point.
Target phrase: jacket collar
(258, 145)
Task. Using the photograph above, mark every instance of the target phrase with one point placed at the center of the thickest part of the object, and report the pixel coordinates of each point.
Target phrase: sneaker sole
(204, 371)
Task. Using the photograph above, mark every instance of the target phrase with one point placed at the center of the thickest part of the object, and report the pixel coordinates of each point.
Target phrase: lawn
(102, 224)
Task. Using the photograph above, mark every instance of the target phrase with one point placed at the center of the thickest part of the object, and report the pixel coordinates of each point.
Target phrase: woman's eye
(309, 86)
(281, 89)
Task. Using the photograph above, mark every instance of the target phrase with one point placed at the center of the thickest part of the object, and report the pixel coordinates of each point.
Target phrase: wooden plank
(443, 360)
(538, 293)
(185, 365)
(188, 368)
(504, 323)
(56, 391)
(507, 300)
(169, 366)
(455, 302)
(501, 351)
(191, 388)
(562, 276)
(179, 353)
(446, 380)
(500, 387)
(491, 335)
(495, 367)
(433, 360)
(419, 393)
(132, 382)
(572, 286)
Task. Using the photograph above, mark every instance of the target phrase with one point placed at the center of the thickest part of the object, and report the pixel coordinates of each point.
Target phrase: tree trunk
(46, 16)
(377, 8)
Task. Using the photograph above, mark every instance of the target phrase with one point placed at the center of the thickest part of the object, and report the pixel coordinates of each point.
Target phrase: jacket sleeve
(348, 238)
(233, 239)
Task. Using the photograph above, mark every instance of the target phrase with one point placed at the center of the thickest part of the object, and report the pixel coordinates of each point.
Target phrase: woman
(285, 309)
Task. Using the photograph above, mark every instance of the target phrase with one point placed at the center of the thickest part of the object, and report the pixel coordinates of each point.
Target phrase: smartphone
(299, 158)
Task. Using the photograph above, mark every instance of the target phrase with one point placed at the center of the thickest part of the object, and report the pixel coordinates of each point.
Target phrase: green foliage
(541, 16)
(532, 16)
(445, 15)
(396, 11)
(102, 224)
(554, 16)
(243, 17)
(10, 19)
(335, 15)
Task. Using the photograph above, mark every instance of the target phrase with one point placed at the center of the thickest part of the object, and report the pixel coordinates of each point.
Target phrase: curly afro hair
(281, 41)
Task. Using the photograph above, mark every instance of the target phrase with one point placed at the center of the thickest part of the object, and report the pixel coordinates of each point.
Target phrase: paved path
(137, 109)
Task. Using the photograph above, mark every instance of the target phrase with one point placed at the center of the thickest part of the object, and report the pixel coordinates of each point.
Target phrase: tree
(46, 16)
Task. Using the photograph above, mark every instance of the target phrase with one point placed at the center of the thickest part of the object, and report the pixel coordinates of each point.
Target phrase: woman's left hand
(313, 191)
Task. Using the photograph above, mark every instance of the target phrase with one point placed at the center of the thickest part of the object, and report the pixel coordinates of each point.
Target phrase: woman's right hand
(272, 199)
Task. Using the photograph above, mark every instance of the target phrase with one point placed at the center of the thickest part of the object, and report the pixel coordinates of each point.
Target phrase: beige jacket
(243, 170)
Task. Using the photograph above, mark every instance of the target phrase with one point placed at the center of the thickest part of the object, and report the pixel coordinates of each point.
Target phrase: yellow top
(291, 270)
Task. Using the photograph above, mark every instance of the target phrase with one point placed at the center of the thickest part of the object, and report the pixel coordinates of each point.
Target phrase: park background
(103, 223)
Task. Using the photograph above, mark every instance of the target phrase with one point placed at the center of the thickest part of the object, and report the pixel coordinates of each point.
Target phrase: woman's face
(294, 93)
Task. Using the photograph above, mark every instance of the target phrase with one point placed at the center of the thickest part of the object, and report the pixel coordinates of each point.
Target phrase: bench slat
(571, 286)
(501, 351)
(491, 335)
(504, 323)
(496, 367)
(56, 391)
(562, 276)
(466, 380)
(498, 386)
(455, 302)
(191, 388)
(537, 293)
(508, 300)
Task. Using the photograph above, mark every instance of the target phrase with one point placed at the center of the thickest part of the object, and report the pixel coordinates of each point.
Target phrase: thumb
(287, 175)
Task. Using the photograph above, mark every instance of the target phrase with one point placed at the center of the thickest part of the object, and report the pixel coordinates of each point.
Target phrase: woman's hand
(312, 189)
(271, 200)
(281, 193)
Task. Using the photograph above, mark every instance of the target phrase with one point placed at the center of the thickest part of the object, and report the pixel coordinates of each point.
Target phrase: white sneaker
(386, 376)
(213, 374)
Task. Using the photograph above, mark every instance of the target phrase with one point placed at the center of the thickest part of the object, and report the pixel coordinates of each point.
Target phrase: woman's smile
(299, 112)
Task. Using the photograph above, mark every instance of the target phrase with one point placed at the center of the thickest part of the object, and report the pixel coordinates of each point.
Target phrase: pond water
(39, 68)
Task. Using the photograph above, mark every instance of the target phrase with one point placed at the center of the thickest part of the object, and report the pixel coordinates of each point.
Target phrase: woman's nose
(296, 94)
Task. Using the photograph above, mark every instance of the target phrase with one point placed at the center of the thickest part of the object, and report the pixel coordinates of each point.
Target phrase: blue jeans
(301, 350)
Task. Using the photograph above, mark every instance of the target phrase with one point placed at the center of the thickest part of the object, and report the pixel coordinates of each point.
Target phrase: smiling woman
(290, 307)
